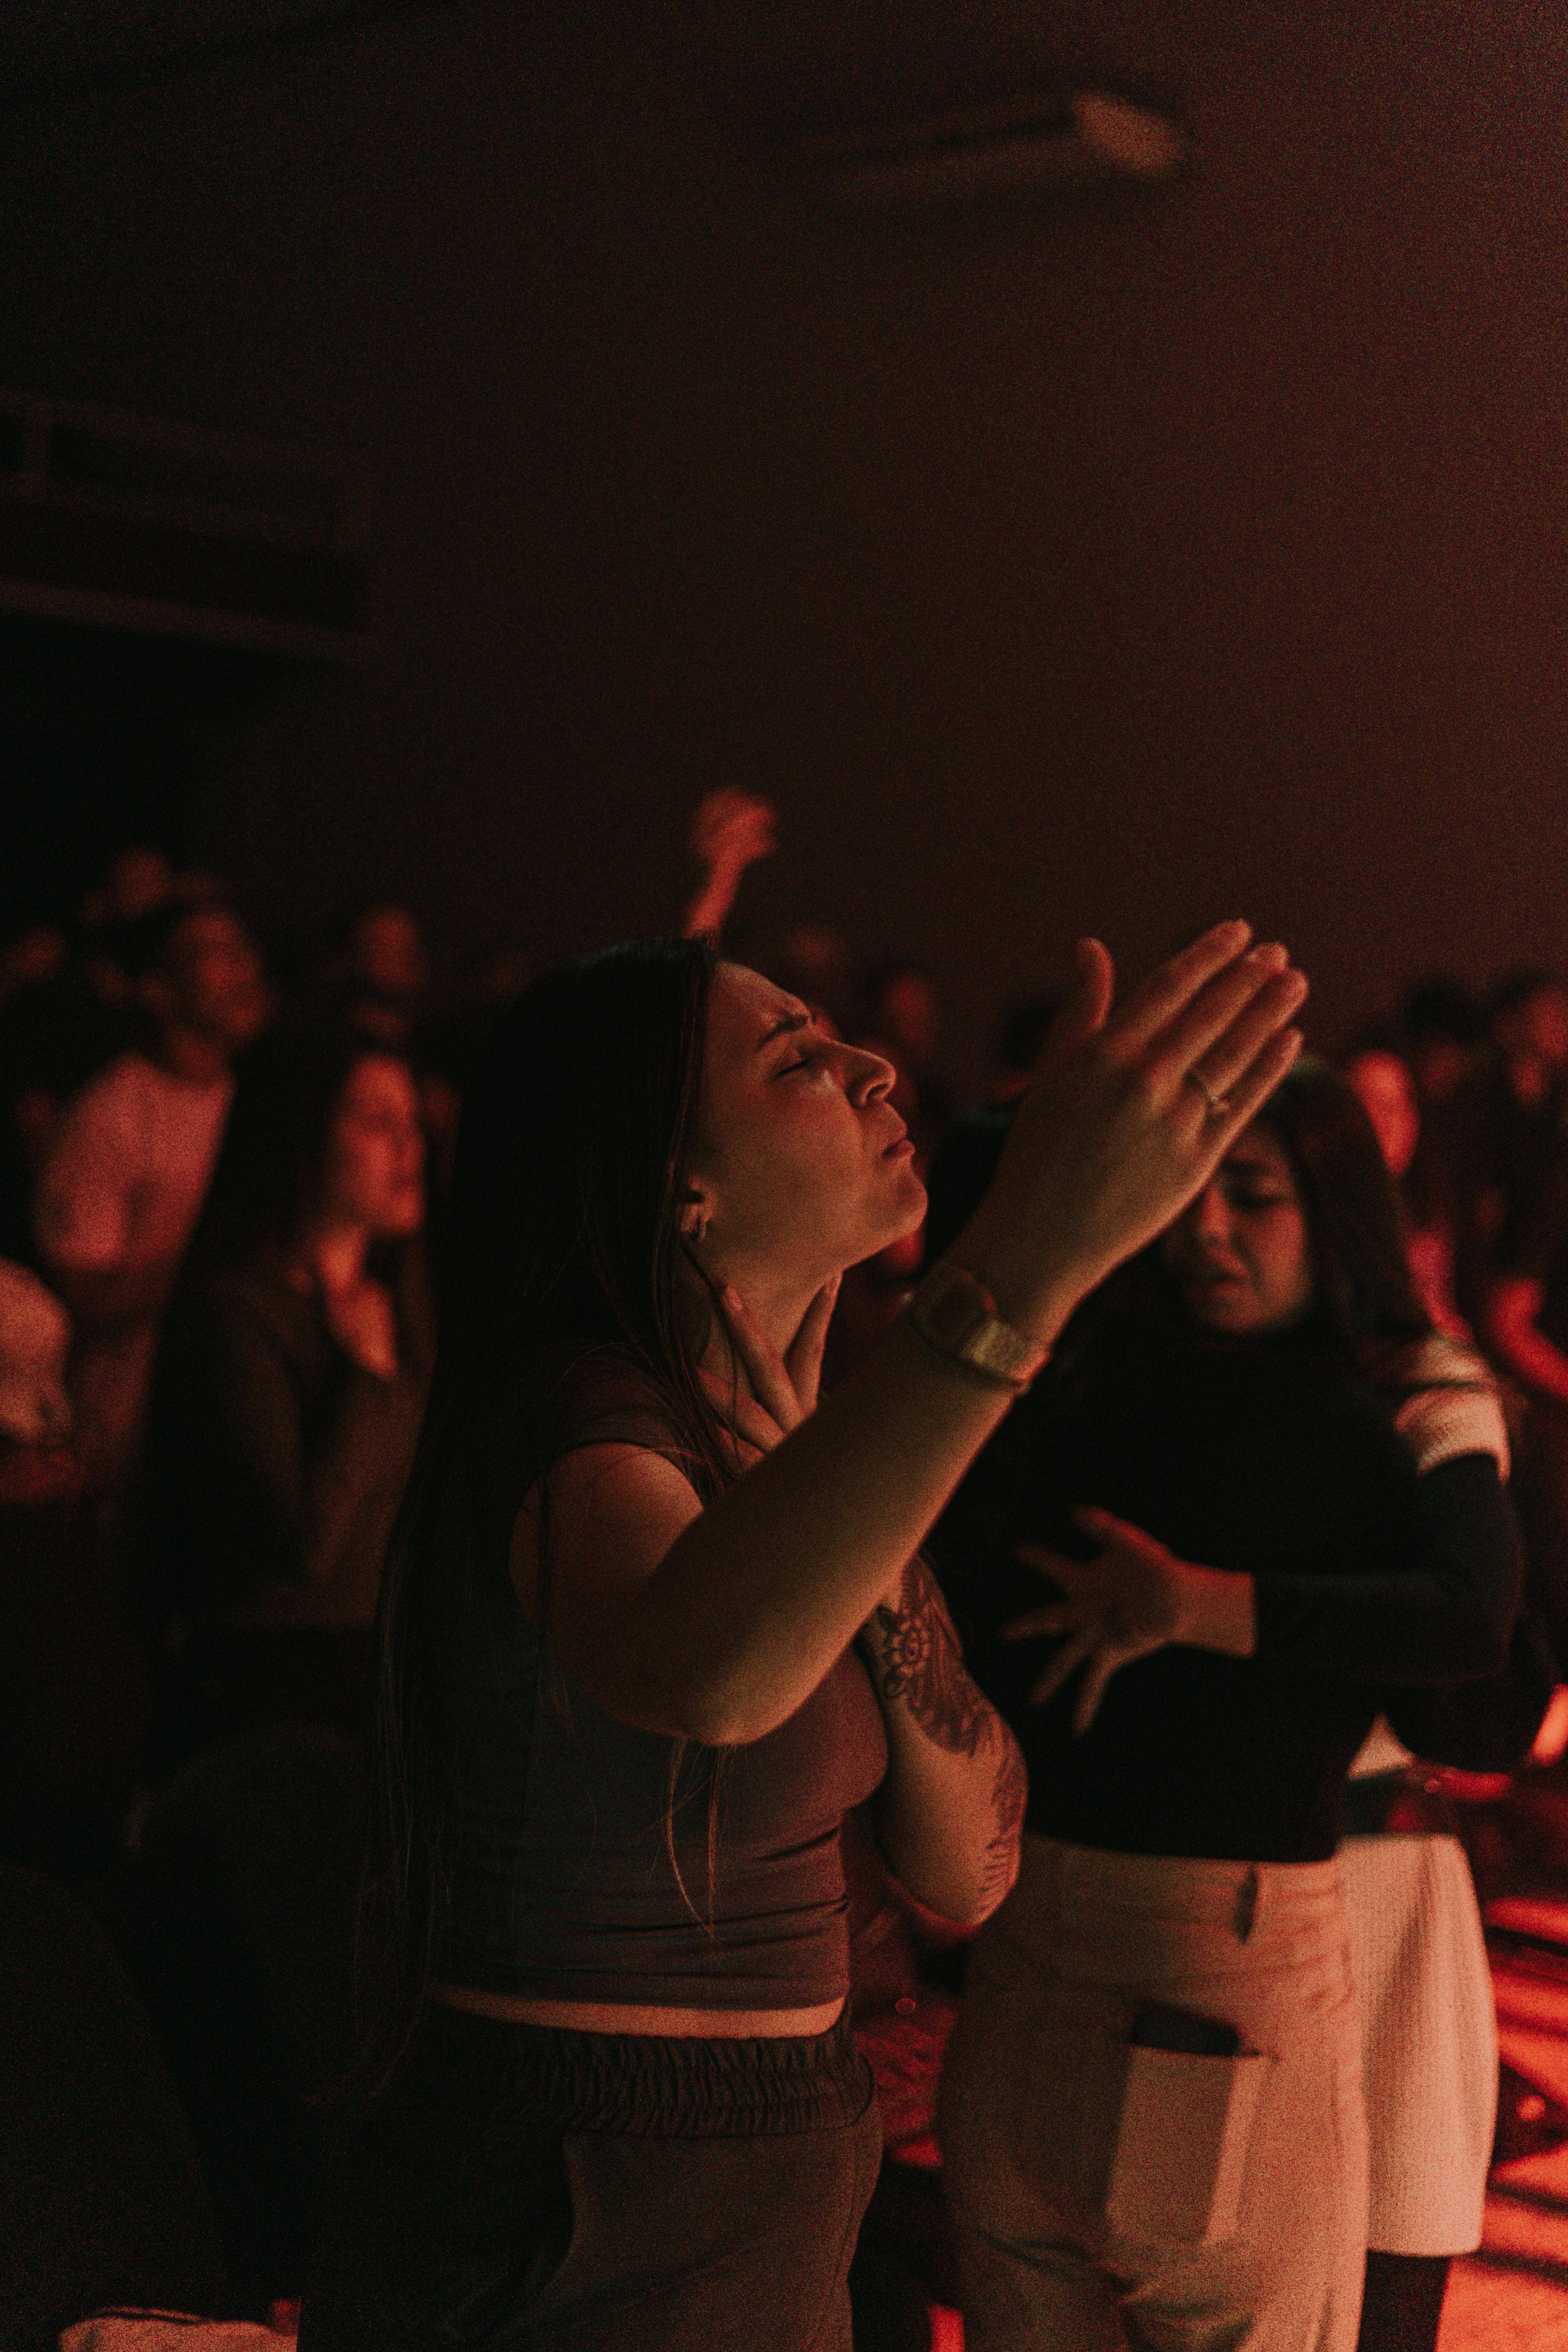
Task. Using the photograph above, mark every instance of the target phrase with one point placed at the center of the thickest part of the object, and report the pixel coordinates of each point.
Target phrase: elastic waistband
(642, 2085)
(1088, 1895)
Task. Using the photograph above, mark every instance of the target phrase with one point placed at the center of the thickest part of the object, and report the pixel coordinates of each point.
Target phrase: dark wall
(1111, 564)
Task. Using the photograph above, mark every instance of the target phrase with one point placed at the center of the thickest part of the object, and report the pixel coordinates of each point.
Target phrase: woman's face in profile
(376, 1154)
(1240, 1255)
(802, 1163)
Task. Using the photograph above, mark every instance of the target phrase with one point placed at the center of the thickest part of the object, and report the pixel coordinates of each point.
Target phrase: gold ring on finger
(1219, 1104)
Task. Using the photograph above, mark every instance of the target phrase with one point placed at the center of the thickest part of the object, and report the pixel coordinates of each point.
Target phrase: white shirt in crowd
(122, 1188)
(126, 1176)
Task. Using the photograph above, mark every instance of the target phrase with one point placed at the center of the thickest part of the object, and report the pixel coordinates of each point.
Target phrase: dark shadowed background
(1114, 562)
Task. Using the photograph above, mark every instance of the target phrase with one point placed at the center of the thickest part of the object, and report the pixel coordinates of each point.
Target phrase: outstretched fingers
(1063, 1666)
(1246, 1095)
(1097, 1675)
(1227, 1021)
(1158, 1001)
(1228, 1060)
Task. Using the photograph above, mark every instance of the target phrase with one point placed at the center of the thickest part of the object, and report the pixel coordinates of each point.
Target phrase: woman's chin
(1220, 1310)
(911, 1216)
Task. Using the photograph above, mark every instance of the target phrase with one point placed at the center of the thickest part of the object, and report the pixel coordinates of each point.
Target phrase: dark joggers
(526, 2190)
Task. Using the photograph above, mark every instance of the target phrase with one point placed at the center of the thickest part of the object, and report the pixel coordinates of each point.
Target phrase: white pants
(1423, 1989)
(1032, 2093)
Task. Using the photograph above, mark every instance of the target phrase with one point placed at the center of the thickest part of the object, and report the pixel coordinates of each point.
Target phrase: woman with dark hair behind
(287, 1392)
(1262, 1393)
(652, 1625)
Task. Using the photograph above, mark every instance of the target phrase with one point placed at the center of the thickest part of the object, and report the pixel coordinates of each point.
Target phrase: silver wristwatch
(952, 1310)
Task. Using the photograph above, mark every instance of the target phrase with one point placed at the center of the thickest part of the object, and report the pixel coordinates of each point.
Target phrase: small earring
(701, 1235)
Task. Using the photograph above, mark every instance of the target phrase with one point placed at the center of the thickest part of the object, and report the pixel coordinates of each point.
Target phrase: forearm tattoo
(917, 1664)
(916, 1661)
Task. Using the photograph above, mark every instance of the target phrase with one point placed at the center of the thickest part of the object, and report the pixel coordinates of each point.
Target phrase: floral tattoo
(919, 1662)
(916, 1662)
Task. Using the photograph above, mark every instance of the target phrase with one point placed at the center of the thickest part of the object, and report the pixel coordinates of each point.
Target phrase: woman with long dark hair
(1153, 2114)
(287, 1395)
(652, 1624)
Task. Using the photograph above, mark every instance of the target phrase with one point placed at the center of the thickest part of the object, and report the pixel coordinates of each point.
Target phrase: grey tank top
(565, 1885)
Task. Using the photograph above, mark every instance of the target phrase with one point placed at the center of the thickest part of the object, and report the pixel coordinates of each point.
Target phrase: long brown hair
(563, 1235)
(1363, 1299)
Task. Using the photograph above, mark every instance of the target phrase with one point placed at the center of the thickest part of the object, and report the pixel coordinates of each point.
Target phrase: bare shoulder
(604, 1516)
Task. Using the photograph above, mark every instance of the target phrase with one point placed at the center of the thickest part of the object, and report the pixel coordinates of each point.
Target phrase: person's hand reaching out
(1135, 1598)
(730, 831)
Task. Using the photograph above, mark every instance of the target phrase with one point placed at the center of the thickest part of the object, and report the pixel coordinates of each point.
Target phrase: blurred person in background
(813, 963)
(381, 975)
(1518, 1108)
(1443, 1031)
(137, 882)
(128, 1162)
(53, 1036)
(67, 1009)
(290, 1382)
(73, 1699)
(134, 883)
(964, 1159)
(902, 1021)
(1385, 1085)
(29, 958)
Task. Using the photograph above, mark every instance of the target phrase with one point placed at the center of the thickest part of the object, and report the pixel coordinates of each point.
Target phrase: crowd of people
(1103, 1494)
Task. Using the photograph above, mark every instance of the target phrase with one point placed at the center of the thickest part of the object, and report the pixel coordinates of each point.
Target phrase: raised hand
(1131, 1112)
(730, 831)
(1135, 1598)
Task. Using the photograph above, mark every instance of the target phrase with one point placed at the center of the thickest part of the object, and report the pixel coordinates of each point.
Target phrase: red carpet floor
(1514, 2292)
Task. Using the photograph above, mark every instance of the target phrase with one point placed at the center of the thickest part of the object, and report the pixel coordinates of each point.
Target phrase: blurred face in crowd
(909, 1015)
(1440, 1066)
(374, 1173)
(1537, 1027)
(137, 882)
(1241, 1254)
(1387, 1093)
(212, 981)
(802, 1164)
(389, 954)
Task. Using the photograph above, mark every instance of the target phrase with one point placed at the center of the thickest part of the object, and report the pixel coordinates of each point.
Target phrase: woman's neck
(776, 1305)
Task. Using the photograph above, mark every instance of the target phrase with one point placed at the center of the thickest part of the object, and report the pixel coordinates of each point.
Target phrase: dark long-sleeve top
(279, 1461)
(1381, 1555)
